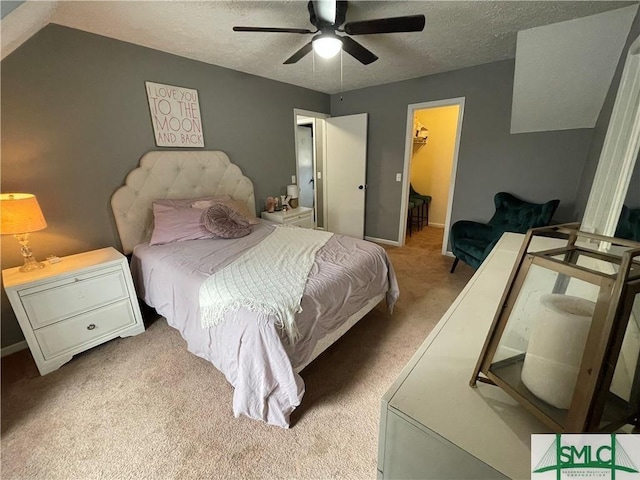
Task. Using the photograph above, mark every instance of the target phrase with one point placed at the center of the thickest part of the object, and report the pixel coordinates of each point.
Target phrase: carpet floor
(144, 407)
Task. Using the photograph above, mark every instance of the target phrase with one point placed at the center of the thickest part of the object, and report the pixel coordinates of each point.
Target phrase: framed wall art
(175, 115)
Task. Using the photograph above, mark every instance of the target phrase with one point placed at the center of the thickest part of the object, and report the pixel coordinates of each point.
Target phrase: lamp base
(31, 264)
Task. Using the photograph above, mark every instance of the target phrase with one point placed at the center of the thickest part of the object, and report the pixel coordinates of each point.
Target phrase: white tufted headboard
(171, 174)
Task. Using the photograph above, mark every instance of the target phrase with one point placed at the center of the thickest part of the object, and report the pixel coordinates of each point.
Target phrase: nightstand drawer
(56, 301)
(301, 217)
(301, 221)
(72, 334)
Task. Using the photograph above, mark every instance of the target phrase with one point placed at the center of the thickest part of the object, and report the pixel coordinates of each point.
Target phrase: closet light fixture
(327, 45)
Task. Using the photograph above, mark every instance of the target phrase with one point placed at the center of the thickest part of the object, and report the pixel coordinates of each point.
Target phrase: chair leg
(426, 204)
(455, 263)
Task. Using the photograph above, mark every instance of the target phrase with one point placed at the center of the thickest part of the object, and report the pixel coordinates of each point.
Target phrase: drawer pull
(91, 326)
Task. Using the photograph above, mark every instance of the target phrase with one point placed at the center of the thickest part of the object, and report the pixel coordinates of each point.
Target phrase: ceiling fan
(327, 16)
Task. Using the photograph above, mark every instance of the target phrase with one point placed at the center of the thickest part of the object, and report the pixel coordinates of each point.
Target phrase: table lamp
(294, 193)
(20, 215)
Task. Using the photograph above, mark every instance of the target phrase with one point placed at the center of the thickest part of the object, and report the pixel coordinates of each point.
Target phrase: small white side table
(301, 216)
(73, 305)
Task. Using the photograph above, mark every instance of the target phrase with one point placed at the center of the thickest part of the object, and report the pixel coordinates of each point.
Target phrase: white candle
(556, 346)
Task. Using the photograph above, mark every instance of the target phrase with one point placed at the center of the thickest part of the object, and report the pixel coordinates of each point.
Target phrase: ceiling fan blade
(299, 54)
(357, 51)
(271, 30)
(411, 23)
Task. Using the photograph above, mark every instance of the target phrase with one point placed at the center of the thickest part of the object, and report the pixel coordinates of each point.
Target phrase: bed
(348, 277)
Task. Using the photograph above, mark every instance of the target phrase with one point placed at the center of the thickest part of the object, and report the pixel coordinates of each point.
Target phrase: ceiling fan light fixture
(327, 46)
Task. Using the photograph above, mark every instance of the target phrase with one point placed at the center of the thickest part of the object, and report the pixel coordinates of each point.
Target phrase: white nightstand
(301, 216)
(71, 306)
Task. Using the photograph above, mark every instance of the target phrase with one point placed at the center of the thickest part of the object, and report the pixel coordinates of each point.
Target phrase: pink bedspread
(249, 348)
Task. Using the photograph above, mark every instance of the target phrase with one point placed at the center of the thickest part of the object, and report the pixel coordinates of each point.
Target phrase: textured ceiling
(458, 34)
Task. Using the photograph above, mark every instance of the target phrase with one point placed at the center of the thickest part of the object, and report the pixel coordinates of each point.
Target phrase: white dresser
(301, 216)
(73, 305)
(433, 425)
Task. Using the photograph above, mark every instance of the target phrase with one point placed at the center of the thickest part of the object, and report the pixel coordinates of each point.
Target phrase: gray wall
(534, 166)
(8, 6)
(75, 120)
(600, 131)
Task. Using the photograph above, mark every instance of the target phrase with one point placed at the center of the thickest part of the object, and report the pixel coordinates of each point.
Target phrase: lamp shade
(327, 46)
(20, 213)
(292, 191)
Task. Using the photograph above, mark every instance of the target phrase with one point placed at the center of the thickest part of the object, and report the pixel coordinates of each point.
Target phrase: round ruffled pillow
(224, 222)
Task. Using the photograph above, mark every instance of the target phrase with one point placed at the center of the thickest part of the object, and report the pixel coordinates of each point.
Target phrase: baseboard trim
(383, 241)
(437, 225)
(16, 347)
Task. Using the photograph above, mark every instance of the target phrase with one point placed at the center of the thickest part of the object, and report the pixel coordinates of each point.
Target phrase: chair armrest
(487, 250)
(473, 230)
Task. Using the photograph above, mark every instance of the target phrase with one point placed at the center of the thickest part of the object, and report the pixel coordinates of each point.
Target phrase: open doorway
(309, 145)
(304, 137)
(331, 175)
(431, 156)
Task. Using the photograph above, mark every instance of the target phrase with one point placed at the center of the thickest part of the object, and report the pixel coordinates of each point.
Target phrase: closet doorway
(431, 156)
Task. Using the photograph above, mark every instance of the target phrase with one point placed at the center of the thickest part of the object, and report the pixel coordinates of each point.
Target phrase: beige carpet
(144, 407)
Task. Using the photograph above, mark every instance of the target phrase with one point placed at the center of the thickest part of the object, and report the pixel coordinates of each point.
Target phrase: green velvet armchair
(629, 224)
(471, 241)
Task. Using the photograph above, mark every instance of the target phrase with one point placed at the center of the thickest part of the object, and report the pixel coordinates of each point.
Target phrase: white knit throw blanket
(269, 279)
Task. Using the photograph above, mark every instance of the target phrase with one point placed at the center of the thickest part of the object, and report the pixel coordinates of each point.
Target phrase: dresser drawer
(72, 296)
(72, 334)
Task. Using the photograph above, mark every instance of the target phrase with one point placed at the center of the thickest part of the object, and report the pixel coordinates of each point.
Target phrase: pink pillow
(176, 224)
(242, 209)
(189, 202)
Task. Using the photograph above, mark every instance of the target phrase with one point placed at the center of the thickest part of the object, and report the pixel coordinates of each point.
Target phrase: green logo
(604, 455)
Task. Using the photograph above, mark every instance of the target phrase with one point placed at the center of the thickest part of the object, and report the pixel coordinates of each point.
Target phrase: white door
(345, 175)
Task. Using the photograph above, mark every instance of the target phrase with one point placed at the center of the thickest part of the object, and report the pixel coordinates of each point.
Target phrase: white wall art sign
(175, 115)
